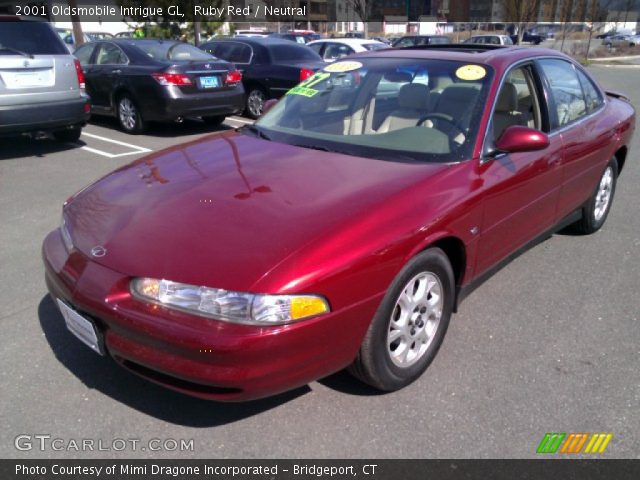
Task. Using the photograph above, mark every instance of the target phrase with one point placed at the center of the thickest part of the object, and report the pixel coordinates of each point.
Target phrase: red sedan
(344, 227)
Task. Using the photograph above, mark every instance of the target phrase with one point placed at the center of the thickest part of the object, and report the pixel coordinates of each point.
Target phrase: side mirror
(268, 105)
(521, 139)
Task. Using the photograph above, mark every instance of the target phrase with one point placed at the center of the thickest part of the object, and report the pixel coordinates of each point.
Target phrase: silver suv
(41, 83)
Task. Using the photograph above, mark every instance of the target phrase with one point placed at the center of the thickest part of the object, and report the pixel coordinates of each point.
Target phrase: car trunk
(205, 76)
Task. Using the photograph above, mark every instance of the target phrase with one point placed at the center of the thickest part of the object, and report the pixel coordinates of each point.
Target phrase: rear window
(171, 51)
(34, 38)
(292, 53)
(234, 52)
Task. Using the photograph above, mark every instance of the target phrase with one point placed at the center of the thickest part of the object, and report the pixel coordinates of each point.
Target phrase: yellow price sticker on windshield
(304, 91)
(471, 72)
(340, 67)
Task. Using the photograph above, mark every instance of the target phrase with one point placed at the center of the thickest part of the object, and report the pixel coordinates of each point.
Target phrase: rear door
(35, 66)
(110, 64)
(577, 108)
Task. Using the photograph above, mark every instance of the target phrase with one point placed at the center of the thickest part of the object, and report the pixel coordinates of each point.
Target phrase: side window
(565, 90)
(220, 50)
(316, 47)
(238, 53)
(84, 53)
(517, 103)
(405, 42)
(334, 51)
(494, 40)
(592, 96)
(109, 54)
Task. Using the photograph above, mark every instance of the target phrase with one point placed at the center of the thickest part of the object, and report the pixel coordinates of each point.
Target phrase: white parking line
(137, 149)
(239, 120)
(105, 139)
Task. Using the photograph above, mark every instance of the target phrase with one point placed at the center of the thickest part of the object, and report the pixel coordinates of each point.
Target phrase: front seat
(506, 112)
(413, 104)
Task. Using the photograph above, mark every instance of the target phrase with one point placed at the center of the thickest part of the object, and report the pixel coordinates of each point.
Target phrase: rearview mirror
(268, 105)
(521, 139)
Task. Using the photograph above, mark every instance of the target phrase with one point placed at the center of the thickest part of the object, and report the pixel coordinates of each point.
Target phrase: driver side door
(520, 189)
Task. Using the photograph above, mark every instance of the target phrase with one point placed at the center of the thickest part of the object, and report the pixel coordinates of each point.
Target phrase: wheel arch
(621, 157)
(455, 250)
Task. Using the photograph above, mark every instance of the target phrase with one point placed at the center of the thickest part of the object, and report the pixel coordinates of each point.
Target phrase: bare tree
(362, 8)
(521, 13)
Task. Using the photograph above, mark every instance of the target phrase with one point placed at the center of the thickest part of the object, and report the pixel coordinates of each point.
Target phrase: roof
(470, 53)
(266, 41)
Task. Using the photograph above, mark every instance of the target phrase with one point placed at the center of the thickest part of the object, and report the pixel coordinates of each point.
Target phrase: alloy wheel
(255, 102)
(127, 113)
(603, 196)
(415, 319)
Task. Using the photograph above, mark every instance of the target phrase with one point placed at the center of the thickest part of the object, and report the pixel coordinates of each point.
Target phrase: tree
(164, 26)
(521, 13)
(78, 36)
(362, 8)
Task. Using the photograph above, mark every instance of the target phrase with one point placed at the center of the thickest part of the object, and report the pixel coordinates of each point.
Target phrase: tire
(68, 135)
(255, 102)
(417, 306)
(129, 116)
(214, 121)
(597, 208)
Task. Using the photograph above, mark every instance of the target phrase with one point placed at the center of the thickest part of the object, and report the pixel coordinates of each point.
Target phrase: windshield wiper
(316, 147)
(19, 52)
(257, 131)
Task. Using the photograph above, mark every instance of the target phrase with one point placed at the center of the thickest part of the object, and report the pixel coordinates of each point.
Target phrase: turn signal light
(233, 77)
(305, 73)
(178, 79)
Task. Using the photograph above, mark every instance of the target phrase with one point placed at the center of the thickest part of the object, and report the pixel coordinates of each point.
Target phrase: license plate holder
(84, 329)
(210, 82)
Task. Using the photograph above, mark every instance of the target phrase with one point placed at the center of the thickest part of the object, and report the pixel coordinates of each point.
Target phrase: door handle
(116, 71)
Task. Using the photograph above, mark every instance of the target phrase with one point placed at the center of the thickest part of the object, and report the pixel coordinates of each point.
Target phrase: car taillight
(233, 77)
(79, 73)
(305, 73)
(179, 79)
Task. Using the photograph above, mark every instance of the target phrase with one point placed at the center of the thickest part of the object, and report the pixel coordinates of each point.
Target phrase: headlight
(66, 235)
(254, 309)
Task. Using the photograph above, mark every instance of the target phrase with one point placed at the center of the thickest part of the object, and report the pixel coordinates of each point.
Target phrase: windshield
(159, 50)
(388, 108)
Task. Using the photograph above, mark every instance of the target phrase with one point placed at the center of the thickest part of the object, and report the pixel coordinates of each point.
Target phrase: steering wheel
(441, 116)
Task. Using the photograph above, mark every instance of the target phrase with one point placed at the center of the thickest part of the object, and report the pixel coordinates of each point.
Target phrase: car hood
(224, 210)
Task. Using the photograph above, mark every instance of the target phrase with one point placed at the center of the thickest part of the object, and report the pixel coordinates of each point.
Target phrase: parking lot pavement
(550, 343)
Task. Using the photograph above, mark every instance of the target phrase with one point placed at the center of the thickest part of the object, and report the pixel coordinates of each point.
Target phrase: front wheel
(409, 326)
(595, 212)
(129, 116)
(255, 102)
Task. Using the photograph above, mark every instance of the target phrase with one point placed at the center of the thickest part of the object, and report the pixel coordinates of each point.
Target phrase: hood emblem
(98, 251)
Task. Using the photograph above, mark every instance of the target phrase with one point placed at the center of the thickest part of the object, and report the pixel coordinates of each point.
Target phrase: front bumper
(16, 119)
(172, 103)
(197, 356)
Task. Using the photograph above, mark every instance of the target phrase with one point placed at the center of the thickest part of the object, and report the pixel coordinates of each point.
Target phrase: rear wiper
(13, 50)
(257, 131)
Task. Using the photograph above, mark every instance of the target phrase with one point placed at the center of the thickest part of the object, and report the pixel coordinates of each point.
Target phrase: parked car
(143, 80)
(335, 48)
(41, 84)
(252, 33)
(294, 37)
(66, 34)
(270, 66)
(95, 36)
(346, 226)
(528, 37)
(127, 34)
(621, 40)
(354, 35)
(490, 40)
(414, 40)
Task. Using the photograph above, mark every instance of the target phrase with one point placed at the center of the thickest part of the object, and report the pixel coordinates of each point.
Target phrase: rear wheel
(410, 324)
(255, 102)
(129, 116)
(214, 121)
(595, 212)
(68, 135)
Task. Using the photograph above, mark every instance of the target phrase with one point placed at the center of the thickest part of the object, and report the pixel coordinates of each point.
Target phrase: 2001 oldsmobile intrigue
(344, 227)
